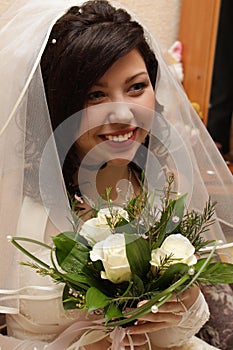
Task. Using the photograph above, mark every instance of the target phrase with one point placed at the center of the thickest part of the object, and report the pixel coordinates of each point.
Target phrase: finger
(137, 339)
(167, 317)
(189, 297)
(143, 347)
(177, 307)
(147, 327)
(180, 297)
(172, 307)
(184, 296)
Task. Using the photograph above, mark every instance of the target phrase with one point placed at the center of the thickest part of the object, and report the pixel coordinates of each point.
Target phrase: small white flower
(142, 222)
(78, 199)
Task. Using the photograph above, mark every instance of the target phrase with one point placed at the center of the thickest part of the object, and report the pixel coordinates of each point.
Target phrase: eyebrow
(128, 80)
(135, 76)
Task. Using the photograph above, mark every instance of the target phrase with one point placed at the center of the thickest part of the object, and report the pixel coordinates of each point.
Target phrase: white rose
(112, 253)
(178, 247)
(97, 229)
(94, 232)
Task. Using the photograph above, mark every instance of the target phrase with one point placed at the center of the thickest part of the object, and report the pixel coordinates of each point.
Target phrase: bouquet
(123, 255)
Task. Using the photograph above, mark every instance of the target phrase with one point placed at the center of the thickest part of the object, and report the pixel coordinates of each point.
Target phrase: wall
(4, 5)
(161, 16)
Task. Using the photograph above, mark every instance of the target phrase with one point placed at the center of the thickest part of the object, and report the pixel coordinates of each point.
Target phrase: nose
(120, 112)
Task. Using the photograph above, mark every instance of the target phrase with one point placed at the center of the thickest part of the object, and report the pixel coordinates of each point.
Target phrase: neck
(110, 176)
(123, 182)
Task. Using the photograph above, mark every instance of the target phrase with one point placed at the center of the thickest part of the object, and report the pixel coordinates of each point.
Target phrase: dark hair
(88, 40)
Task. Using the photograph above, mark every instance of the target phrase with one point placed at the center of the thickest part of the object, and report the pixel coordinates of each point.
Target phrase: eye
(95, 96)
(137, 88)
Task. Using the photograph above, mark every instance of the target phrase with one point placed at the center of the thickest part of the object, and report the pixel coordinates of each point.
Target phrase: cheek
(85, 138)
(82, 141)
(82, 144)
(150, 105)
(144, 113)
(150, 99)
(144, 118)
(142, 134)
(93, 118)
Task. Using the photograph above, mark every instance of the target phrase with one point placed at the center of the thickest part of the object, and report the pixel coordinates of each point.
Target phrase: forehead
(127, 65)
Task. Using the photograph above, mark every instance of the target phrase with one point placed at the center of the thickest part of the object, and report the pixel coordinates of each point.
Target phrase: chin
(119, 162)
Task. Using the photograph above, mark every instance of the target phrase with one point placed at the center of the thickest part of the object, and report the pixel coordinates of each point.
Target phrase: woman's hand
(168, 315)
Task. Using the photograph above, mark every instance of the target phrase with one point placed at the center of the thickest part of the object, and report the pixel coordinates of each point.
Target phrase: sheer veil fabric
(25, 128)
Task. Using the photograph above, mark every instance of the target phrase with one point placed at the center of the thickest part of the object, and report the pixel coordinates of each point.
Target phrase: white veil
(24, 117)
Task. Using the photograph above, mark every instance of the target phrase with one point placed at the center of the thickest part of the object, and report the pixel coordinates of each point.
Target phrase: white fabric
(25, 29)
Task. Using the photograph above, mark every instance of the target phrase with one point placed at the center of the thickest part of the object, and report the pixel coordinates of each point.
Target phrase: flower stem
(159, 300)
(26, 252)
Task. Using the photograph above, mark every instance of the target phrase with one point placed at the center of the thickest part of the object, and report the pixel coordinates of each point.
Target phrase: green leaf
(121, 222)
(78, 279)
(94, 280)
(95, 299)
(171, 275)
(127, 226)
(71, 255)
(112, 312)
(137, 287)
(177, 210)
(218, 272)
(138, 254)
(200, 263)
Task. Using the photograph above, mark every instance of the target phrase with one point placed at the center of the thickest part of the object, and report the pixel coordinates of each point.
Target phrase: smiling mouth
(120, 138)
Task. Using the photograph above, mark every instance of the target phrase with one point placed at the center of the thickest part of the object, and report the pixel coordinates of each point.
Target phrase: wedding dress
(35, 316)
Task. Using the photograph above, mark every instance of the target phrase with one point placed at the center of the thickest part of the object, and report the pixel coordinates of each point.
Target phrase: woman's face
(118, 113)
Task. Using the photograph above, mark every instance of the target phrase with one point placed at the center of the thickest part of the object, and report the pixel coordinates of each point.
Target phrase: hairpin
(80, 11)
(54, 41)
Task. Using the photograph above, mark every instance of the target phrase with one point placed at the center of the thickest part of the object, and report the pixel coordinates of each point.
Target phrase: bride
(88, 103)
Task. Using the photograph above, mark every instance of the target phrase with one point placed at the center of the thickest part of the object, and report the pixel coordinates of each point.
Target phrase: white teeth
(119, 138)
